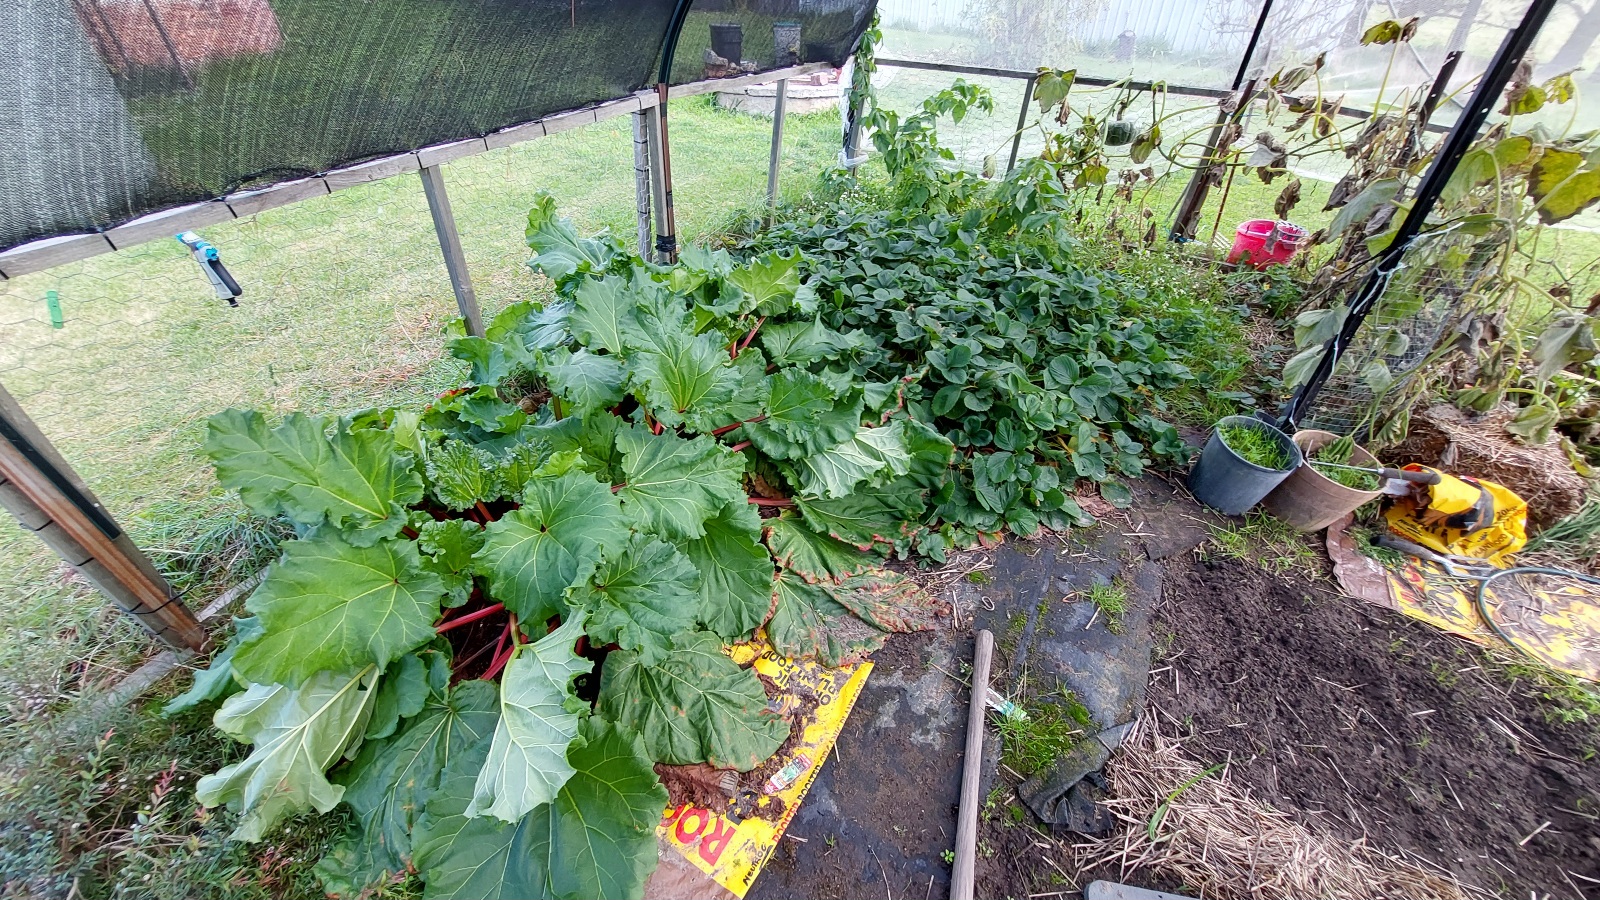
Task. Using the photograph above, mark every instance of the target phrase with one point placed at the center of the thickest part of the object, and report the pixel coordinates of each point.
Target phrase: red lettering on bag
(683, 833)
(712, 845)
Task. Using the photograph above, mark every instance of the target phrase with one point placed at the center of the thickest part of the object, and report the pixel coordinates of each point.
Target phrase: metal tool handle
(1410, 475)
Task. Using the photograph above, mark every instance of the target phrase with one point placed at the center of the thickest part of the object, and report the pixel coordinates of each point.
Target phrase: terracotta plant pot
(1310, 500)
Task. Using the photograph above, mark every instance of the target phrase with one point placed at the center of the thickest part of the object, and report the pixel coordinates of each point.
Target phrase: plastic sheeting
(126, 107)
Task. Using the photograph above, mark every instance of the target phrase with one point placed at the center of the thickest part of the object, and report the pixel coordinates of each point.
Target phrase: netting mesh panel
(1421, 303)
(772, 33)
(123, 107)
(1193, 43)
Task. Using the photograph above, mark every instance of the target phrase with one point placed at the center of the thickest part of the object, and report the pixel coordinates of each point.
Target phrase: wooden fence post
(455, 259)
(47, 497)
(780, 103)
(643, 187)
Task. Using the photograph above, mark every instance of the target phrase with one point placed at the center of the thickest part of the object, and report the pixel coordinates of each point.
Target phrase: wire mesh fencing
(1418, 312)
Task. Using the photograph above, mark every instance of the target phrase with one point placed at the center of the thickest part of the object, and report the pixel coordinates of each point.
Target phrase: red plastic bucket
(1265, 242)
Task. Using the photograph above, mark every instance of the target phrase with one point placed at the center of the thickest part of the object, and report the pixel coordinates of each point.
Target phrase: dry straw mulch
(1216, 839)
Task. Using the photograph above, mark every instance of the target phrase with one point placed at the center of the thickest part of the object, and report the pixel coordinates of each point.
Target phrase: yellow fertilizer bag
(1461, 516)
(731, 846)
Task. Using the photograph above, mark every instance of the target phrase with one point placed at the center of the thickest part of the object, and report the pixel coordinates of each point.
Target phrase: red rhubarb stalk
(739, 446)
(484, 613)
(764, 501)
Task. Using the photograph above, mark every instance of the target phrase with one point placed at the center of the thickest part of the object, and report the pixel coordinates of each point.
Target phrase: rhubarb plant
(501, 611)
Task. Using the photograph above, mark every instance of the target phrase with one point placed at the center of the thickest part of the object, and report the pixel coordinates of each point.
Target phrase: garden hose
(1481, 600)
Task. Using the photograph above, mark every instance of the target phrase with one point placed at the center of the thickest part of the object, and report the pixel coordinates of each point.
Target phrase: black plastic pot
(1230, 484)
(727, 41)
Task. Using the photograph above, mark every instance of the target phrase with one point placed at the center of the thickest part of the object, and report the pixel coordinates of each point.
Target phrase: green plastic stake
(52, 301)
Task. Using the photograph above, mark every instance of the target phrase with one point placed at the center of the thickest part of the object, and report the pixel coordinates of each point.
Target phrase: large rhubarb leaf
(533, 554)
(838, 623)
(356, 481)
(527, 761)
(817, 557)
(390, 782)
(803, 343)
(687, 379)
(584, 381)
(694, 706)
(886, 515)
(604, 313)
(558, 250)
(449, 548)
(809, 623)
(297, 733)
(404, 691)
(216, 680)
(461, 475)
(640, 597)
(800, 417)
(595, 841)
(770, 285)
(735, 572)
(675, 484)
(836, 425)
(328, 605)
(872, 453)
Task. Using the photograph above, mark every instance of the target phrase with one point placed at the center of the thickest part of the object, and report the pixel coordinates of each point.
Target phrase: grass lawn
(345, 299)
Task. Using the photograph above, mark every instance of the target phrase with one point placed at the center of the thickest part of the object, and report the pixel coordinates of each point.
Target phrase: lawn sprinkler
(211, 263)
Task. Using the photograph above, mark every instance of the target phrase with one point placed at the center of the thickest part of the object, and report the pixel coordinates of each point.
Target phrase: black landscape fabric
(113, 109)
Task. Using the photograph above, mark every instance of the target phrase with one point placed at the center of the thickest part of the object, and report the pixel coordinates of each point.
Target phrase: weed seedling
(1112, 601)
(1255, 446)
(949, 857)
(1053, 725)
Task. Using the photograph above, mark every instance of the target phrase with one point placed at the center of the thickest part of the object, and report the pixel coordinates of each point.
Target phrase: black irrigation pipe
(1494, 81)
(1179, 90)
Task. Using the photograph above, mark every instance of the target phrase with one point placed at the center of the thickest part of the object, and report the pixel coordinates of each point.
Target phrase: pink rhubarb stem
(763, 501)
(739, 446)
(727, 428)
(501, 658)
(484, 613)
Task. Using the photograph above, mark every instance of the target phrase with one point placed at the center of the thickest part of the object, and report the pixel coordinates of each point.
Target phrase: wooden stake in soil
(963, 871)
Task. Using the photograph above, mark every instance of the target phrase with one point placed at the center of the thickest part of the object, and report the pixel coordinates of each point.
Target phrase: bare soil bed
(1378, 726)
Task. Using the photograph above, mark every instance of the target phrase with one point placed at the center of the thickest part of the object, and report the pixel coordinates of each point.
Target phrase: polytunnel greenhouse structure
(178, 159)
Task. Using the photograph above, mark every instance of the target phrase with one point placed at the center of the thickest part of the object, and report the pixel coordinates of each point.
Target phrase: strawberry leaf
(694, 706)
(527, 761)
(297, 733)
(640, 597)
(356, 481)
(674, 484)
(533, 554)
(328, 605)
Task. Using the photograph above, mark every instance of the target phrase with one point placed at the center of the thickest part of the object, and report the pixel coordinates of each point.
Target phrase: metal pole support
(455, 261)
(780, 103)
(1022, 121)
(50, 500)
(658, 184)
(642, 185)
